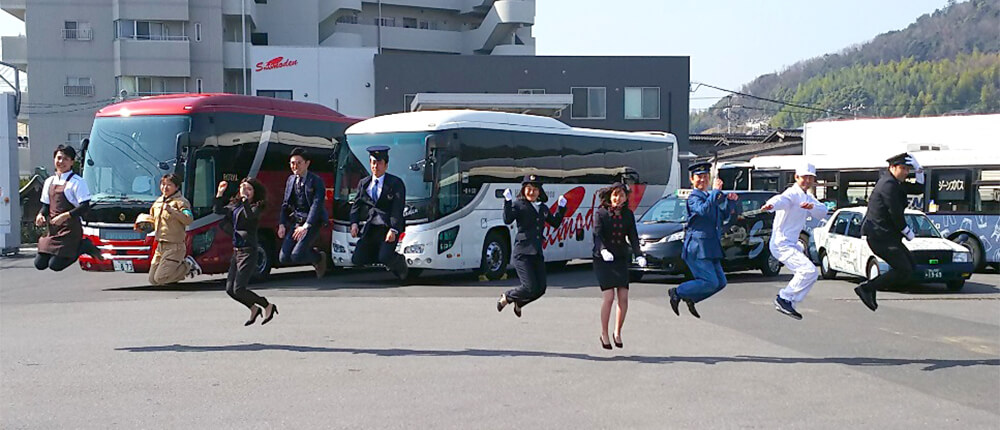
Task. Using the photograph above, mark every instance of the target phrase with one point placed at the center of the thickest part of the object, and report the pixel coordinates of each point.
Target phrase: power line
(770, 100)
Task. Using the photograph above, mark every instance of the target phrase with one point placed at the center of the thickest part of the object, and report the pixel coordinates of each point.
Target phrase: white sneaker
(195, 268)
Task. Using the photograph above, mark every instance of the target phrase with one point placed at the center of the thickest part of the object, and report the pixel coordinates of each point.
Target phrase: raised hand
(562, 201)
(508, 195)
(717, 184)
(222, 189)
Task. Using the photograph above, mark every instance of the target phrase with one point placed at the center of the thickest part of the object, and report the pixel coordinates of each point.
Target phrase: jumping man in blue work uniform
(702, 252)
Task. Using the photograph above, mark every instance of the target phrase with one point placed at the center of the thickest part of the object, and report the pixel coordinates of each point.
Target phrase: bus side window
(204, 186)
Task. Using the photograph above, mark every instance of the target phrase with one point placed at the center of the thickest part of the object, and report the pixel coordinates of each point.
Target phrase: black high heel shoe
(605, 345)
(271, 311)
(254, 313)
(618, 341)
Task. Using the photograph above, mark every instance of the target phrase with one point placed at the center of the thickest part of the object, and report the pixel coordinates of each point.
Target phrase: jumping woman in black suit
(243, 213)
(615, 241)
(531, 216)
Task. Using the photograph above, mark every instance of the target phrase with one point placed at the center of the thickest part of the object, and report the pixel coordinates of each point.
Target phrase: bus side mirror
(84, 144)
(430, 147)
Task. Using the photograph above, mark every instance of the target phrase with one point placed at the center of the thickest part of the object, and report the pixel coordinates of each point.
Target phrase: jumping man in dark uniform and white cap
(885, 226)
(380, 202)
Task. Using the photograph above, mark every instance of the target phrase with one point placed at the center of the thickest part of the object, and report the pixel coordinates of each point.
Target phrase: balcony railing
(78, 90)
(152, 37)
(77, 34)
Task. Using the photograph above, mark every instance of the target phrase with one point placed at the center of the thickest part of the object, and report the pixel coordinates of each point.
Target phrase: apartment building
(83, 54)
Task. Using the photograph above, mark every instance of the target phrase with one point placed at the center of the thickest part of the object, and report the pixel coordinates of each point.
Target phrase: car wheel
(824, 266)
(955, 285)
(496, 254)
(771, 266)
(974, 247)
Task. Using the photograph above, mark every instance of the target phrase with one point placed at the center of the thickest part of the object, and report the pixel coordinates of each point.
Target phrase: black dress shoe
(675, 301)
(254, 313)
(605, 345)
(501, 303)
(867, 297)
(694, 312)
(517, 310)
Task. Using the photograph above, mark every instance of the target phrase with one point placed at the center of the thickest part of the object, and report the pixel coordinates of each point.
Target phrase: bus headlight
(416, 248)
(962, 257)
(446, 239)
(673, 237)
(202, 242)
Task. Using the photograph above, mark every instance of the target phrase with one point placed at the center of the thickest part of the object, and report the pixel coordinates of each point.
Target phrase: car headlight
(338, 248)
(962, 257)
(416, 248)
(673, 237)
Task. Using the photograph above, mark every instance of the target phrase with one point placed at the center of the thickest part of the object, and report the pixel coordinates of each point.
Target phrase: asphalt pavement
(355, 350)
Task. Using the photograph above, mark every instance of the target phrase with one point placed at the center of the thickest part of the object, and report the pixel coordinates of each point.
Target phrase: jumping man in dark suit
(303, 211)
(885, 226)
(379, 205)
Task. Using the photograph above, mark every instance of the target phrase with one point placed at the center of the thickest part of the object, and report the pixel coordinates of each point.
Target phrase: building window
(275, 94)
(348, 19)
(385, 21)
(78, 86)
(408, 102)
(531, 91)
(74, 139)
(149, 85)
(424, 25)
(409, 23)
(258, 39)
(77, 30)
(197, 32)
(150, 30)
(197, 86)
(642, 103)
(589, 103)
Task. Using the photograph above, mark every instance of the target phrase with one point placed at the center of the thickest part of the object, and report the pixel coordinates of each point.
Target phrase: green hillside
(945, 62)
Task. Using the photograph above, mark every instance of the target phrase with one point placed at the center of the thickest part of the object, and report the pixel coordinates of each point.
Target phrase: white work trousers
(805, 272)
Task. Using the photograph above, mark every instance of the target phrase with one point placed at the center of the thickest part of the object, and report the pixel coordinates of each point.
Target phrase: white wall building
(83, 54)
(890, 136)
(342, 79)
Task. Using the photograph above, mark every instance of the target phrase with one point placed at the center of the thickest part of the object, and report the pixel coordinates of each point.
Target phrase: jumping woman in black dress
(531, 216)
(615, 241)
(243, 213)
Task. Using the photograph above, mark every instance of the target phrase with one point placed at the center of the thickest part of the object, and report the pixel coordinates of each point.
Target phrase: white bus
(456, 164)
(962, 193)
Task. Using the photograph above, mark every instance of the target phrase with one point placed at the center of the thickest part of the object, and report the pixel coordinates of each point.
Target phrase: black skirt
(611, 274)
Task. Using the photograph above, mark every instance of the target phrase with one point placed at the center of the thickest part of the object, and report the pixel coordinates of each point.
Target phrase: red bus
(205, 138)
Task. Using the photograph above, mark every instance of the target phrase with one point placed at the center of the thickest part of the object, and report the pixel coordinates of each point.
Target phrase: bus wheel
(496, 254)
(974, 247)
(265, 260)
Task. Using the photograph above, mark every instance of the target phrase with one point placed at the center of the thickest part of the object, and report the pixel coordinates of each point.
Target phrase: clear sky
(730, 42)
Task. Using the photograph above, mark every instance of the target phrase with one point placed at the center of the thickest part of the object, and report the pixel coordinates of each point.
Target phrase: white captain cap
(806, 169)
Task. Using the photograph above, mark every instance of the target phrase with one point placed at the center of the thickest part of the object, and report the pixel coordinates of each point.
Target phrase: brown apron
(63, 240)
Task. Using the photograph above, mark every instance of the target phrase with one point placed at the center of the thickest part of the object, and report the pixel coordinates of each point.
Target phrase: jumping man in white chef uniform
(791, 208)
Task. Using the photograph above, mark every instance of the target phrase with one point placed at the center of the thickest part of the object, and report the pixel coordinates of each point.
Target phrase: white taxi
(843, 249)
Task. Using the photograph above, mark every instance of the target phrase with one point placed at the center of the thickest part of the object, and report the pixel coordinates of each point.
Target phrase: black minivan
(745, 238)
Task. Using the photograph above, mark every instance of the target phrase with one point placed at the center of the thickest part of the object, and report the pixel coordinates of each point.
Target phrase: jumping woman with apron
(65, 198)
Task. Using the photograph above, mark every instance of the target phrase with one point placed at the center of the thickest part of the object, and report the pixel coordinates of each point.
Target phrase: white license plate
(933, 274)
(123, 266)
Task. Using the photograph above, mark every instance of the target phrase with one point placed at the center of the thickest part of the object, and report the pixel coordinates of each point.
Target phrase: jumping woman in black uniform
(615, 242)
(531, 216)
(243, 213)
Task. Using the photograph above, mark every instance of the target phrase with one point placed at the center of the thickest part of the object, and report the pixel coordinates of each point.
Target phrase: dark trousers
(300, 252)
(531, 271)
(372, 248)
(708, 279)
(49, 261)
(241, 268)
(899, 258)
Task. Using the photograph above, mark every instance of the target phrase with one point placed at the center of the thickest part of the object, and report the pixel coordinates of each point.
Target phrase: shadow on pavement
(929, 364)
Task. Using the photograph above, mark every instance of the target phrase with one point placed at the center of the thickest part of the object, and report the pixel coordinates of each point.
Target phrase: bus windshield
(668, 210)
(406, 158)
(128, 155)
